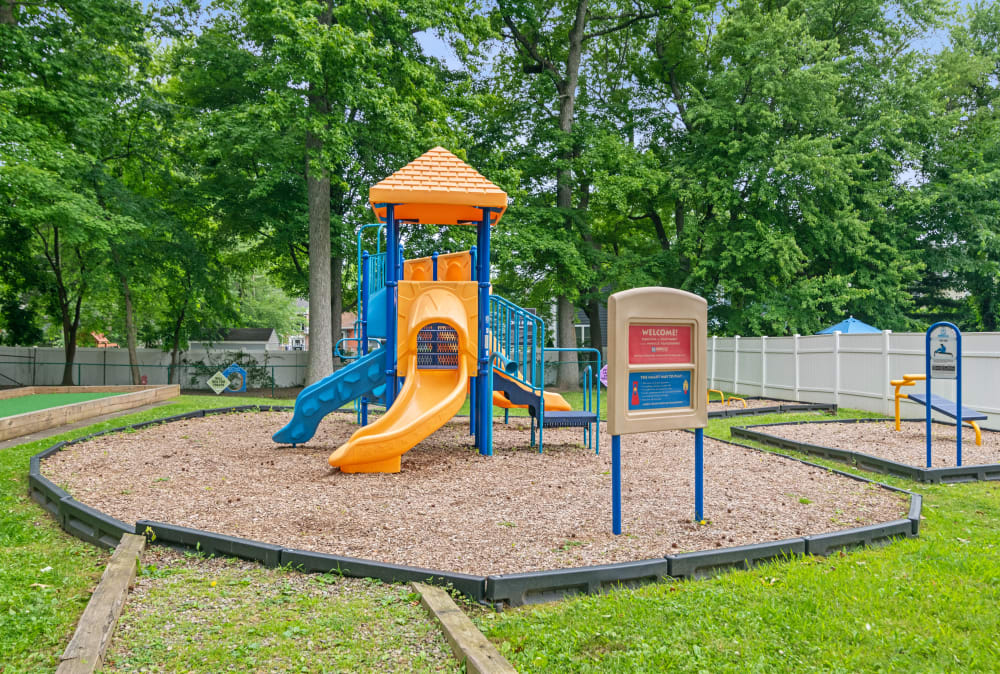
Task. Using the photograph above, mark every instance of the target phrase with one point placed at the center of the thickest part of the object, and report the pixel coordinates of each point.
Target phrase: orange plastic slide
(553, 401)
(429, 397)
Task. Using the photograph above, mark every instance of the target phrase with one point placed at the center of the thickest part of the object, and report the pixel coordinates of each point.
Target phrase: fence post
(714, 344)
(736, 364)
(795, 360)
(836, 368)
(763, 365)
(887, 393)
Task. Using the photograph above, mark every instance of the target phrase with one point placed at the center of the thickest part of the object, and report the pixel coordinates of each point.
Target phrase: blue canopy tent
(849, 326)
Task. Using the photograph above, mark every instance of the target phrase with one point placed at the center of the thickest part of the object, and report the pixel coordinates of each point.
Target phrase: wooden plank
(32, 422)
(467, 642)
(9, 393)
(85, 652)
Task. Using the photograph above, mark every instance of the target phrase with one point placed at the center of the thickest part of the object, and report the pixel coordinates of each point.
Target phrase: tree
(62, 70)
(322, 101)
(958, 202)
(543, 59)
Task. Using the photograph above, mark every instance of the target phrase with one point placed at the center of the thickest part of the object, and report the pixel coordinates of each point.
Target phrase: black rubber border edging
(786, 406)
(516, 589)
(874, 464)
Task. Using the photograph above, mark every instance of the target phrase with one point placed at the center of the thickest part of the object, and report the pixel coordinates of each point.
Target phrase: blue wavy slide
(363, 377)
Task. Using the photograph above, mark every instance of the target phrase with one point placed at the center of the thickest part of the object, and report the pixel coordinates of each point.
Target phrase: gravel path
(452, 509)
(908, 445)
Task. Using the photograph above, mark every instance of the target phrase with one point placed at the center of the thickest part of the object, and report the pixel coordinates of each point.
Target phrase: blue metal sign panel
(659, 390)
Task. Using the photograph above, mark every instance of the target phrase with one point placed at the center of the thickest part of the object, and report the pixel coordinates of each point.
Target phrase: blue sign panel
(237, 377)
(657, 390)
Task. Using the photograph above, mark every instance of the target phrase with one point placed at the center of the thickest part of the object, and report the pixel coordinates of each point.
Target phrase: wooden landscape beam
(85, 652)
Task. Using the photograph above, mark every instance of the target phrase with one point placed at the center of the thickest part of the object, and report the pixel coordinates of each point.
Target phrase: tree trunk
(337, 299)
(70, 327)
(320, 301)
(69, 354)
(7, 15)
(594, 315)
(568, 372)
(176, 348)
(130, 332)
(318, 189)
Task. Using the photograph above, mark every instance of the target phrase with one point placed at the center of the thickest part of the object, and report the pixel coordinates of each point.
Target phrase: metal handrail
(516, 337)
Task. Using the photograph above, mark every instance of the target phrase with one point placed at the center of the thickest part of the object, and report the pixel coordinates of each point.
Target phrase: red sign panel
(659, 344)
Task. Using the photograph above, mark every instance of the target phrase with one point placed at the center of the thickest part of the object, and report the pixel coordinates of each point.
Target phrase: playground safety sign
(944, 353)
(656, 375)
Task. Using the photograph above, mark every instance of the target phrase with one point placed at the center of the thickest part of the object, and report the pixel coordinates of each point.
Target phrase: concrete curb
(85, 652)
(874, 464)
(469, 645)
(503, 589)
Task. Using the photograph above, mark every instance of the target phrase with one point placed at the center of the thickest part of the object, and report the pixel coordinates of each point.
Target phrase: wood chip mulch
(452, 509)
(752, 403)
(908, 445)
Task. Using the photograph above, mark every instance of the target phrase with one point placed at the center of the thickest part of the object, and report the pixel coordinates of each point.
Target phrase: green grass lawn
(930, 604)
(194, 614)
(43, 401)
(925, 604)
(46, 576)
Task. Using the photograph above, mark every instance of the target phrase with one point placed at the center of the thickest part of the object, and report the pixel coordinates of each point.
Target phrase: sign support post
(656, 375)
(944, 362)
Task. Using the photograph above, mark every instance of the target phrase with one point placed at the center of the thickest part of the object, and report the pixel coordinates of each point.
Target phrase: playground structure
(438, 331)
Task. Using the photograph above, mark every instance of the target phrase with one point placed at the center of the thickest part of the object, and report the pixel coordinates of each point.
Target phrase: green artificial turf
(43, 401)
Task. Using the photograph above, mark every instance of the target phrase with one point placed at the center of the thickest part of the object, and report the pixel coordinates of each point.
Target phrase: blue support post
(699, 474)
(473, 381)
(616, 484)
(434, 263)
(958, 387)
(485, 387)
(365, 296)
(391, 283)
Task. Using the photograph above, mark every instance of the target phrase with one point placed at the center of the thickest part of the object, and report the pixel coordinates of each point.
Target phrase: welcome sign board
(656, 357)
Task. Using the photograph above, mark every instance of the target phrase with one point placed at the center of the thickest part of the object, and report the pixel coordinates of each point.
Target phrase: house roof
(438, 188)
(249, 335)
(849, 326)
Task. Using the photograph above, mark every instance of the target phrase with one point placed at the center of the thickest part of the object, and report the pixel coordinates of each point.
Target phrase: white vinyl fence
(43, 366)
(852, 370)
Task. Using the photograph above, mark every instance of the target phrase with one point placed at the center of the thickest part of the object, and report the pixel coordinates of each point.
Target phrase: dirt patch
(452, 509)
(908, 445)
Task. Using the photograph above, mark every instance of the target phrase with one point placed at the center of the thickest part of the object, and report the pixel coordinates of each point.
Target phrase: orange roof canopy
(438, 188)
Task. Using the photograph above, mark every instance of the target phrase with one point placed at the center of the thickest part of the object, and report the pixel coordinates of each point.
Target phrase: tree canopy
(164, 164)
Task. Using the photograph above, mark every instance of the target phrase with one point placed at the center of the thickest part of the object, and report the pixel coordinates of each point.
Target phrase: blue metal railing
(517, 336)
(590, 405)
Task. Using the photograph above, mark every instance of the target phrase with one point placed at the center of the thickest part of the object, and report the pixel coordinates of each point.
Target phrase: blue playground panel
(947, 407)
(363, 377)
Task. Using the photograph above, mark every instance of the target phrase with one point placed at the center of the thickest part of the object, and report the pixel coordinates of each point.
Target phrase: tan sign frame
(652, 307)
